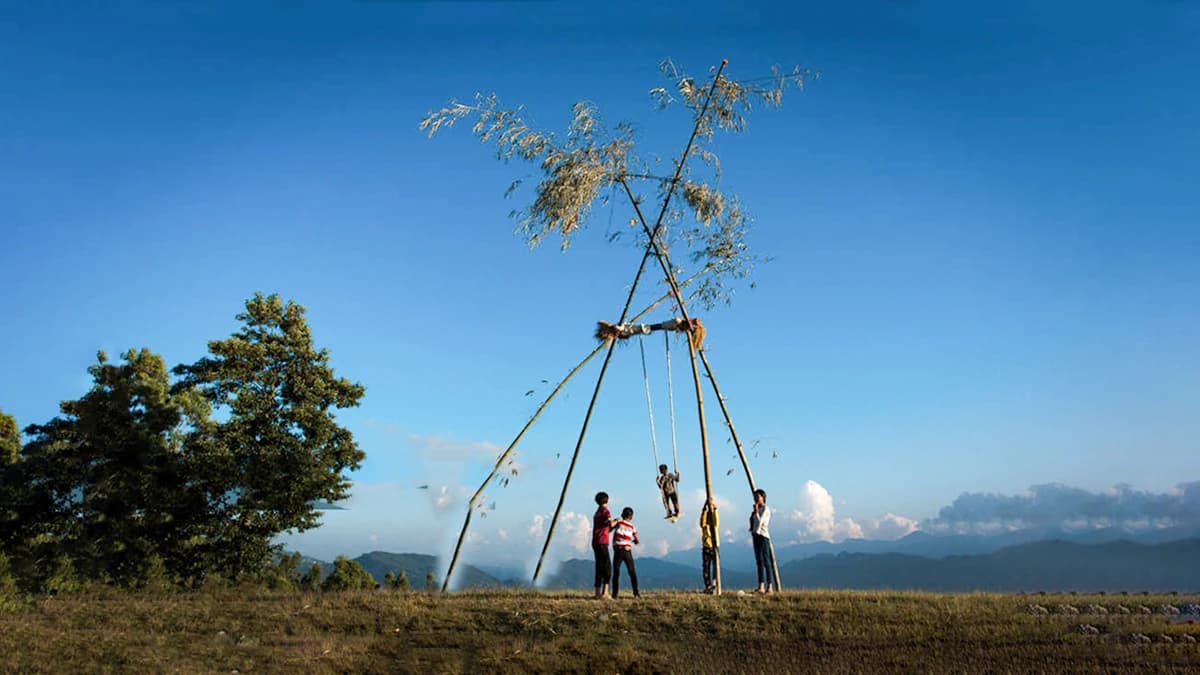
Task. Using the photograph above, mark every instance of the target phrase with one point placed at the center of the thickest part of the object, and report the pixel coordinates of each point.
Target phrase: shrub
(397, 581)
(347, 575)
(311, 580)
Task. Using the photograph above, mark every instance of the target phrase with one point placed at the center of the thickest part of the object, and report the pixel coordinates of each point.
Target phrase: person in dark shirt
(601, 526)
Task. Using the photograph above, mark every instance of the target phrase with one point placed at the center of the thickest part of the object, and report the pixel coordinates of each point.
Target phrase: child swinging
(666, 479)
(670, 497)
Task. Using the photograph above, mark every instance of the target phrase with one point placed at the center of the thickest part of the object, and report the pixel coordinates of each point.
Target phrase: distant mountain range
(1054, 565)
(938, 546)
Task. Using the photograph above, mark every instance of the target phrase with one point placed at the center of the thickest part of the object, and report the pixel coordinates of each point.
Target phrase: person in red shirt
(624, 537)
(601, 526)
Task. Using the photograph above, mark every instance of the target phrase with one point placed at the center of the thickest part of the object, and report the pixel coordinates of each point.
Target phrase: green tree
(10, 439)
(14, 492)
(279, 449)
(283, 574)
(347, 575)
(108, 496)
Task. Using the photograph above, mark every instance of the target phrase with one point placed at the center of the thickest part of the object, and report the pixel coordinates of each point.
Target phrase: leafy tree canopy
(279, 449)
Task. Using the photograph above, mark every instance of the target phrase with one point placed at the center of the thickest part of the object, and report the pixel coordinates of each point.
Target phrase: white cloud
(890, 526)
(537, 528)
(815, 519)
(815, 514)
(578, 530)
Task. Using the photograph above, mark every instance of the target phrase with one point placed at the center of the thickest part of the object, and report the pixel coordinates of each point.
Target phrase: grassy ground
(485, 632)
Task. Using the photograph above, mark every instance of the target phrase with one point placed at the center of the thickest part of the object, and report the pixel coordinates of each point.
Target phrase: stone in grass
(1087, 629)
(1036, 609)
(1067, 609)
(1139, 639)
(1097, 609)
(1169, 610)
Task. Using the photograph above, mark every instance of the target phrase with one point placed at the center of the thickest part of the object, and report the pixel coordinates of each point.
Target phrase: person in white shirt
(760, 519)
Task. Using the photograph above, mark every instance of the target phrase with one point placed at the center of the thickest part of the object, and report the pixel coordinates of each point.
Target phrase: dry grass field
(251, 631)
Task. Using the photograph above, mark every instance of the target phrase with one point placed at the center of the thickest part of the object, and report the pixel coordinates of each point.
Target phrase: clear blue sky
(983, 219)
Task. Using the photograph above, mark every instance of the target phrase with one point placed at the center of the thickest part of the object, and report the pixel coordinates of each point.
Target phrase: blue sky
(982, 219)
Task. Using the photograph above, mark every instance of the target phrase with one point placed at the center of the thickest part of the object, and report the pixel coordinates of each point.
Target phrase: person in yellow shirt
(710, 525)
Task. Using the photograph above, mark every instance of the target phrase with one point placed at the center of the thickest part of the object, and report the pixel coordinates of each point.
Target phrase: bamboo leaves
(576, 169)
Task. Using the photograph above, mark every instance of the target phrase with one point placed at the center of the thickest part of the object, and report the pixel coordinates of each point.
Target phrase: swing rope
(650, 405)
(671, 400)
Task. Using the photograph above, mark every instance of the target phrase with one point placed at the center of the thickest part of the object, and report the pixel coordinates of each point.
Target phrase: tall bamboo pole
(651, 246)
(707, 467)
(737, 443)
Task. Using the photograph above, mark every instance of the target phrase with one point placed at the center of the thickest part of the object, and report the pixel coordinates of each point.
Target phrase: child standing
(666, 483)
(624, 537)
(710, 525)
(601, 526)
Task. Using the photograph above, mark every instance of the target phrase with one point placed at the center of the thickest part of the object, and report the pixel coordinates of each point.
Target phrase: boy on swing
(666, 484)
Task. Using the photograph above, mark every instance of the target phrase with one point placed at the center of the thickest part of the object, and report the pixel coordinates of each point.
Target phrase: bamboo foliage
(577, 168)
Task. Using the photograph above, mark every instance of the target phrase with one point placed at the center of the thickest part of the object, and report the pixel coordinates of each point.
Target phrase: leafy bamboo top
(580, 166)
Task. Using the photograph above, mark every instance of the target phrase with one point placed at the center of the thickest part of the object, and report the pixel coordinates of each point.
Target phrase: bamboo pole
(704, 450)
(737, 443)
(504, 456)
(512, 446)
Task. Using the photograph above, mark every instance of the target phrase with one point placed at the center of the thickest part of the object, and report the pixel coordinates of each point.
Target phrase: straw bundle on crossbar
(606, 331)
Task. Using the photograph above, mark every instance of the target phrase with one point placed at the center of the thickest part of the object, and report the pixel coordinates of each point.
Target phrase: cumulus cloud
(1063, 506)
(577, 529)
(889, 526)
(537, 528)
(815, 518)
(573, 529)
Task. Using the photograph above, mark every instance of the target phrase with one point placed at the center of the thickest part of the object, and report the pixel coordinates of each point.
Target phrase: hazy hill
(415, 565)
(928, 545)
(1048, 565)
(653, 573)
(1044, 565)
